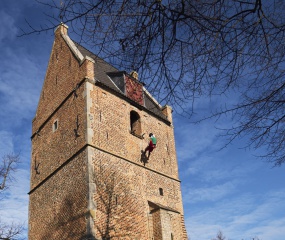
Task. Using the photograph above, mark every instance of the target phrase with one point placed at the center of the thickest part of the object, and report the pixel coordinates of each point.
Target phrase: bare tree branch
(8, 166)
(10, 232)
(220, 236)
(184, 50)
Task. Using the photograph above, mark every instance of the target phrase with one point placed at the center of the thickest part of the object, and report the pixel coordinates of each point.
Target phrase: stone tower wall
(58, 208)
(88, 174)
(126, 189)
(117, 155)
(109, 121)
(59, 189)
(51, 148)
(63, 74)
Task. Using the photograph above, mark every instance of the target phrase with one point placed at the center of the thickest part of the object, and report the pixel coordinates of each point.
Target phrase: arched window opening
(135, 123)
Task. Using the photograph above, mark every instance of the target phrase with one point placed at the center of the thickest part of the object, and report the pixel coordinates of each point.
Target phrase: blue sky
(228, 190)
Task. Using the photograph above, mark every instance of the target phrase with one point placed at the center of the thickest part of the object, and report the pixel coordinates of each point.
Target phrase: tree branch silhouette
(185, 50)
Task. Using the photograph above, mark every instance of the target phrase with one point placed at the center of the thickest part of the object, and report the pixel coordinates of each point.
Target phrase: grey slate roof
(101, 68)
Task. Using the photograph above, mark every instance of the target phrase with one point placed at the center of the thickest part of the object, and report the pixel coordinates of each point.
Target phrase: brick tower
(89, 176)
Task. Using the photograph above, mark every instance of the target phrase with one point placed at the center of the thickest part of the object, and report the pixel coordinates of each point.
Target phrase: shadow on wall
(144, 158)
(117, 208)
(116, 204)
(69, 219)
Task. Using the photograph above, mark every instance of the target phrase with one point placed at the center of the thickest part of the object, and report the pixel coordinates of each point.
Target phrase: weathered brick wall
(58, 208)
(150, 225)
(50, 149)
(120, 211)
(110, 122)
(64, 72)
(123, 190)
(58, 198)
(171, 226)
(157, 226)
(176, 225)
(166, 225)
(171, 190)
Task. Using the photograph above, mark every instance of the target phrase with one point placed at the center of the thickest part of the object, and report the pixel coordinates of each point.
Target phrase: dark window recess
(135, 122)
(161, 191)
(55, 126)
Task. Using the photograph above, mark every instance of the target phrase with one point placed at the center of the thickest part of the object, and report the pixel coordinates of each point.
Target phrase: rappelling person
(151, 145)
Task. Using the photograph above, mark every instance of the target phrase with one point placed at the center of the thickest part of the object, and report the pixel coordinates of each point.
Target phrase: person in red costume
(151, 145)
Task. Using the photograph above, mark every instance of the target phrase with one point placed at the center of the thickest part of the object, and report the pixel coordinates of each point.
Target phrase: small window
(55, 125)
(135, 122)
(161, 191)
